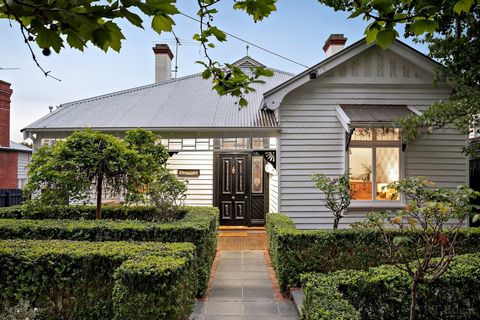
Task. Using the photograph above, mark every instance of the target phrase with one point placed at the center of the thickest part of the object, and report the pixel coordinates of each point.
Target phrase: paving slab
(243, 290)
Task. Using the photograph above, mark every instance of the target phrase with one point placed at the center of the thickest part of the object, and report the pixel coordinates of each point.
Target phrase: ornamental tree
(429, 223)
(337, 194)
(70, 169)
(150, 160)
(89, 160)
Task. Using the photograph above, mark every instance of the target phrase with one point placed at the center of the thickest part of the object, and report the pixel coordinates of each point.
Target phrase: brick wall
(8, 170)
(5, 94)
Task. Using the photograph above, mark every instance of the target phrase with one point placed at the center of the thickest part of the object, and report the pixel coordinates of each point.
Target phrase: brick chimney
(5, 94)
(163, 62)
(334, 44)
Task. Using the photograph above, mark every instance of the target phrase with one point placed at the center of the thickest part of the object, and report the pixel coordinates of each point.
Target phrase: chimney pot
(5, 94)
(163, 62)
(335, 43)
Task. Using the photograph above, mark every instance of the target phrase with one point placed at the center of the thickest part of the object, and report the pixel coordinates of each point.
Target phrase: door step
(240, 228)
(233, 234)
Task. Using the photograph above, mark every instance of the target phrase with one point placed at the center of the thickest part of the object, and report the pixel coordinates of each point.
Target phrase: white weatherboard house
(337, 115)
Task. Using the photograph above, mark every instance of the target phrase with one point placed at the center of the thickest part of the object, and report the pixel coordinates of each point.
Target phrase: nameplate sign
(188, 173)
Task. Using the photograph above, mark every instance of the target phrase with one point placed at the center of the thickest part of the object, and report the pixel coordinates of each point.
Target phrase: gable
(399, 64)
(376, 65)
(247, 62)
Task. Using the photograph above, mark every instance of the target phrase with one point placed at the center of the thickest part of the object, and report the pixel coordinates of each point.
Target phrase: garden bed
(384, 293)
(98, 280)
(294, 251)
(198, 226)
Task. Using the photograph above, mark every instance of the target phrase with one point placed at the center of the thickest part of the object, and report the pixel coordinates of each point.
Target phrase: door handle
(233, 197)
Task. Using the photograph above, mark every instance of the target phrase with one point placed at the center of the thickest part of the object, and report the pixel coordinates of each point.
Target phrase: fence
(10, 197)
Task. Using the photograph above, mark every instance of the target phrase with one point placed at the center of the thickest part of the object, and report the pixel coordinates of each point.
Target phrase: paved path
(242, 290)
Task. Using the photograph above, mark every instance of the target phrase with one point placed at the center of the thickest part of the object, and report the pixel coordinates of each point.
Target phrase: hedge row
(384, 293)
(199, 226)
(98, 280)
(294, 251)
(146, 213)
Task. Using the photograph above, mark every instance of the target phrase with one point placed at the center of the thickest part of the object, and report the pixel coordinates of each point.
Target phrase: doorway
(241, 188)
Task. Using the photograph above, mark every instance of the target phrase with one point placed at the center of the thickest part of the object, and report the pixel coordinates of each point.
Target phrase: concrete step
(297, 297)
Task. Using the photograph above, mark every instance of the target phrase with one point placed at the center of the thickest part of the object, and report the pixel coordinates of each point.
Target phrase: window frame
(374, 144)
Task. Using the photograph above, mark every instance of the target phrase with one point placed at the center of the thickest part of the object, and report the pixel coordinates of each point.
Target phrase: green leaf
(162, 23)
(419, 27)
(132, 17)
(219, 34)
(206, 74)
(243, 102)
(258, 9)
(108, 36)
(74, 40)
(383, 6)
(386, 38)
(356, 13)
(463, 6)
(47, 38)
(371, 33)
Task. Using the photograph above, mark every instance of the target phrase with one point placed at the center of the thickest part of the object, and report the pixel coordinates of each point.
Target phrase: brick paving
(243, 287)
(255, 240)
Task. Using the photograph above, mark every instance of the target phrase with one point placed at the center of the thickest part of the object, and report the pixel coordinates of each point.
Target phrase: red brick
(8, 170)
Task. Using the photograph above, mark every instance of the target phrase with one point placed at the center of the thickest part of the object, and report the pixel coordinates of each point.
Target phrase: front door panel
(234, 189)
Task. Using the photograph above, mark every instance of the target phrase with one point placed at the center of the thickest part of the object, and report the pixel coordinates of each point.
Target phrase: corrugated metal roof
(17, 147)
(375, 113)
(187, 102)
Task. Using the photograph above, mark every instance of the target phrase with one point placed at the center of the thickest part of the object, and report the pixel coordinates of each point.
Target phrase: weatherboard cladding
(187, 102)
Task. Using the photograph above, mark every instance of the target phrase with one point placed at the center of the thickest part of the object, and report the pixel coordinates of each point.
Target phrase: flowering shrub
(437, 214)
(337, 194)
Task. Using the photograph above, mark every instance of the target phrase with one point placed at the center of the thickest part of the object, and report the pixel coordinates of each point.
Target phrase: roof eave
(185, 132)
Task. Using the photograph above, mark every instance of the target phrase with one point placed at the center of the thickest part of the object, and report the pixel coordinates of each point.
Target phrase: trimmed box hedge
(294, 251)
(384, 293)
(86, 212)
(98, 280)
(198, 226)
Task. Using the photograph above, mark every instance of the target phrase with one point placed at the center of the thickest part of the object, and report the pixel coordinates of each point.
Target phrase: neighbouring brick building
(14, 157)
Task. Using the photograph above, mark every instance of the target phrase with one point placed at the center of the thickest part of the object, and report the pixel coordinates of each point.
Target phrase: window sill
(362, 205)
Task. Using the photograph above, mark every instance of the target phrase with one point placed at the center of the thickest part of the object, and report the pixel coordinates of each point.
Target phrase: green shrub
(294, 252)
(85, 280)
(146, 213)
(384, 293)
(198, 226)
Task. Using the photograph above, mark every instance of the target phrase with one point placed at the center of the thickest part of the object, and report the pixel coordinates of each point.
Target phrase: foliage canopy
(86, 160)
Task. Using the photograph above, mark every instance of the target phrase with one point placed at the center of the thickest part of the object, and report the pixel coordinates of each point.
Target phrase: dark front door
(233, 185)
(241, 190)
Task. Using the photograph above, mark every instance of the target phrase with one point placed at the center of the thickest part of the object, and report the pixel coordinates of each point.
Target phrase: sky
(297, 30)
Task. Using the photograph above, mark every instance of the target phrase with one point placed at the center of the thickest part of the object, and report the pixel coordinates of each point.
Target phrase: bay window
(374, 161)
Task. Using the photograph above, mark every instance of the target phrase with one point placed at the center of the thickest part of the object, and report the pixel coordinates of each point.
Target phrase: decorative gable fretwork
(375, 65)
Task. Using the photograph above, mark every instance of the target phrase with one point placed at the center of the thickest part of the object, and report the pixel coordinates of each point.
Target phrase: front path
(243, 288)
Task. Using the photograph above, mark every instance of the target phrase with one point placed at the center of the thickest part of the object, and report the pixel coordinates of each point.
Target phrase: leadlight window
(257, 174)
(374, 162)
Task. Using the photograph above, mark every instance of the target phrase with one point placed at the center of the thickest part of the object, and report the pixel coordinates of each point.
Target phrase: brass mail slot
(188, 173)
